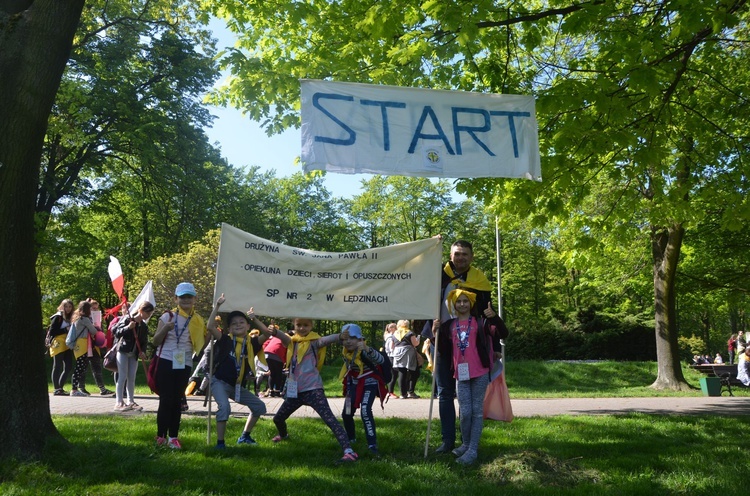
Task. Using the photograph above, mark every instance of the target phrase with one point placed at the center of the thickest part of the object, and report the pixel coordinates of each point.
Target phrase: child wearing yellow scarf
(363, 380)
(304, 386)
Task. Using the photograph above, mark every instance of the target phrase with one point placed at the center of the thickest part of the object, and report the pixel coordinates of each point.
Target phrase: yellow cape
(475, 279)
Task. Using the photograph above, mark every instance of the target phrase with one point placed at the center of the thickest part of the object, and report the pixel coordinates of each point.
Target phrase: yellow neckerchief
(196, 328)
(250, 357)
(401, 332)
(303, 343)
(349, 357)
(475, 279)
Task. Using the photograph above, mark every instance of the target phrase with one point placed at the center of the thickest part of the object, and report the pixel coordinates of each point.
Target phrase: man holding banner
(457, 273)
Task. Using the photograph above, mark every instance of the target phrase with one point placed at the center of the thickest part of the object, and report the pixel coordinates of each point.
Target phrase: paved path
(419, 408)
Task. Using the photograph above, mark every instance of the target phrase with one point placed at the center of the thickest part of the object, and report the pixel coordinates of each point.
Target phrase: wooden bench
(727, 373)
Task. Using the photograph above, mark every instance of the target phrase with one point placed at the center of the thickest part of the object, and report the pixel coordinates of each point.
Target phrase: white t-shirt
(172, 345)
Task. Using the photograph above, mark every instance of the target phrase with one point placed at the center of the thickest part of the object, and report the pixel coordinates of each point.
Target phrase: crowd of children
(238, 352)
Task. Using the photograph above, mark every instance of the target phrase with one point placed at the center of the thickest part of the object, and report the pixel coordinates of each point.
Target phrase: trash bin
(711, 386)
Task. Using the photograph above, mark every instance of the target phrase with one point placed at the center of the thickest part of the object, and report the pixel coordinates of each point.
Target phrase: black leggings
(62, 367)
(171, 384)
(315, 399)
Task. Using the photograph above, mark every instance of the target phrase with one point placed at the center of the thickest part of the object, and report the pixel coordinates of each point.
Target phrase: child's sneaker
(460, 450)
(278, 438)
(246, 439)
(174, 443)
(161, 441)
(348, 457)
(85, 393)
(135, 406)
(78, 393)
(467, 458)
(106, 392)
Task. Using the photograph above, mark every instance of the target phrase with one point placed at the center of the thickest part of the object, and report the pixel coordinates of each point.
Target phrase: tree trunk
(35, 42)
(665, 248)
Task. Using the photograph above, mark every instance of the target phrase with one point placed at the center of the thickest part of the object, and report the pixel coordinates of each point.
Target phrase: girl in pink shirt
(466, 340)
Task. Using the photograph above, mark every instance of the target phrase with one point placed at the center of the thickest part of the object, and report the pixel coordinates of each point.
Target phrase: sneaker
(221, 446)
(348, 457)
(412, 395)
(106, 392)
(467, 458)
(122, 408)
(373, 450)
(246, 439)
(86, 393)
(78, 393)
(391, 395)
(445, 448)
(278, 438)
(161, 441)
(135, 406)
(60, 392)
(460, 450)
(174, 443)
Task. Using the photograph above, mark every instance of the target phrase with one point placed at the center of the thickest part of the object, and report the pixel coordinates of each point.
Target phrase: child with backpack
(365, 375)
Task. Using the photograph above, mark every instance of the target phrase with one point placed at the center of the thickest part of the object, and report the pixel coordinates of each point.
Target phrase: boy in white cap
(364, 377)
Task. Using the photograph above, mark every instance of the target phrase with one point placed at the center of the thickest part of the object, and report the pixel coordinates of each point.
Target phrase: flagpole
(498, 250)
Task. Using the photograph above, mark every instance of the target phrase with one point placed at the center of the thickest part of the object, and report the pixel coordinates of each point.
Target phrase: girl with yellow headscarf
(466, 341)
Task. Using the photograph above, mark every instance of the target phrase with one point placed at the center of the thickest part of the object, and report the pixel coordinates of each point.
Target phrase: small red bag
(151, 373)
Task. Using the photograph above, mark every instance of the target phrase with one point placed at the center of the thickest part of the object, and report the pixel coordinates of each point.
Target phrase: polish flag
(115, 274)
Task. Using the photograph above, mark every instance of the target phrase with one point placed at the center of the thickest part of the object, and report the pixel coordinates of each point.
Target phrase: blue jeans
(446, 390)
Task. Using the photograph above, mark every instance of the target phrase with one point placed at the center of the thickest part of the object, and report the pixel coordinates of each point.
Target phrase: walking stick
(208, 391)
(432, 396)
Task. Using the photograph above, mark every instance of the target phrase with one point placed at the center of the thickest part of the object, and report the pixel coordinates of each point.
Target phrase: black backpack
(385, 370)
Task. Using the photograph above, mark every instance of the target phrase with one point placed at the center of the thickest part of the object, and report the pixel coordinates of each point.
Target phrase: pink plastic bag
(497, 401)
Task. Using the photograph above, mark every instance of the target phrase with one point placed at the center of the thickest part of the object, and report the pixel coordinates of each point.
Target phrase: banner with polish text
(390, 283)
(355, 128)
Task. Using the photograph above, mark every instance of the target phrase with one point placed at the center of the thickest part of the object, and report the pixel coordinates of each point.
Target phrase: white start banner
(363, 128)
(389, 283)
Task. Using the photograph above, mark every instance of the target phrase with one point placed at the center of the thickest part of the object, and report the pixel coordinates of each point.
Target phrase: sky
(244, 143)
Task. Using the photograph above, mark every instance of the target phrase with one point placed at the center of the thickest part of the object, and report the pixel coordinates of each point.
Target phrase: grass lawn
(583, 455)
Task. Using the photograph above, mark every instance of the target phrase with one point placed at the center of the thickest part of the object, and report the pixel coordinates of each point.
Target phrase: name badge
(178, 360)
(463, 372)
(291, 388)
(237, 392)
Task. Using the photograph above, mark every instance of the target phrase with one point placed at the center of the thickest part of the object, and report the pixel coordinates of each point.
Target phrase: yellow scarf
(349, 357)
(196, 328)
(303, 343)
(250, 357)
(453, 297)
(475, 279)
(401, 332)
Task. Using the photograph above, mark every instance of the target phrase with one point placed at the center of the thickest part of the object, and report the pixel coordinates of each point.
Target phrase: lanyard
(177, 332)
(463, 335)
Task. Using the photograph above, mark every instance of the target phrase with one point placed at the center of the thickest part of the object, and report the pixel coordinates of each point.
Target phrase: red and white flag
(115, 274)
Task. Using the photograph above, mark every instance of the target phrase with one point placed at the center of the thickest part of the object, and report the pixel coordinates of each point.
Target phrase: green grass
(634, 454)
